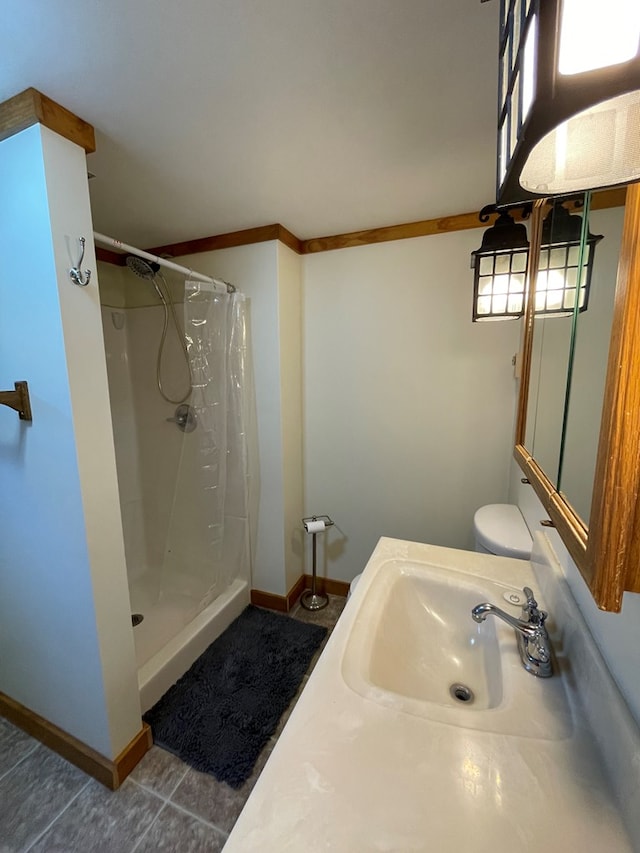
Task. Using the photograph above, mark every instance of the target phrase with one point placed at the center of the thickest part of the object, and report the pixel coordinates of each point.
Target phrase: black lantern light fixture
(565, 265)
(500, 266)
(569, 97)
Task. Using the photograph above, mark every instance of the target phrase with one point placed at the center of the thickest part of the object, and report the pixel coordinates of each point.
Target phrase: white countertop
(349, 774)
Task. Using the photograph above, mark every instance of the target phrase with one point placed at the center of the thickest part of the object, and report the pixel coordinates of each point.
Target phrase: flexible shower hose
(167, 303)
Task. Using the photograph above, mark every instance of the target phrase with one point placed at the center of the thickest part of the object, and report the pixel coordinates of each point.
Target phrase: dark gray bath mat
(221, 713)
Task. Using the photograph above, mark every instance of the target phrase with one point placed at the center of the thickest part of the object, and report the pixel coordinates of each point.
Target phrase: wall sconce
(500, 266)
(564, 270)
(569, 99)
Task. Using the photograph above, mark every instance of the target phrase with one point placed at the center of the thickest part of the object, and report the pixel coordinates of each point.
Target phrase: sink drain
(462, 693)
(136, 619)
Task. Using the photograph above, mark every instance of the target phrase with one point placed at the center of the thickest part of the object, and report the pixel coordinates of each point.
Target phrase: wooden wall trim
(284, 603)
(603, 199)
(427, 227)
(111, 773)
(615, 505)
(110, 257)
(328, 586)
(32, 107)
(220, 241)
(132, 754)
(269, 600)
(289, 239)
(423, 228)
(281, 603)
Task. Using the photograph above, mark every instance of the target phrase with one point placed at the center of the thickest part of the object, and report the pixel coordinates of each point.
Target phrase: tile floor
(49, 806)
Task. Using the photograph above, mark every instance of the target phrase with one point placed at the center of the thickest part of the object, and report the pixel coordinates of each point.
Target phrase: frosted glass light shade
(599, 147)
(569, 97)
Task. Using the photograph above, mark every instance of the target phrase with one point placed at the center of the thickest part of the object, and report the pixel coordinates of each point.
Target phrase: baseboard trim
(110, 773)
(328, 586)
(284, 603)
(269, 600)
(281, 603)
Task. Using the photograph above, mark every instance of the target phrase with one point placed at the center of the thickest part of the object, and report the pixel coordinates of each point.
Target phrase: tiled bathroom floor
(49, 806)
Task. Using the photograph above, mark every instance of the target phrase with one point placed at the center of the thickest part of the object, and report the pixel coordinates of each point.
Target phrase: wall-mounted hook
(75, 273)
(18, 400)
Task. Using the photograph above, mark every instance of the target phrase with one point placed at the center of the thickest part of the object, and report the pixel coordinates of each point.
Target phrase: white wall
(65, 629)
(291, 383)
(409, 405)
(116, 331)
(616, 634)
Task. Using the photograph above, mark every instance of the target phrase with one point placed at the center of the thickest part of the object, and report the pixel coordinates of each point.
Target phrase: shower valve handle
(184, 418)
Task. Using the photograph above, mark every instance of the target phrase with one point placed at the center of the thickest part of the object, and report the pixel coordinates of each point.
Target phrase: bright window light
(597, 34)
(529, 68)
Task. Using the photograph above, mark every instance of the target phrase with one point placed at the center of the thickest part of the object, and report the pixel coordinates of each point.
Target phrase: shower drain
(462, 693)
(136, 619)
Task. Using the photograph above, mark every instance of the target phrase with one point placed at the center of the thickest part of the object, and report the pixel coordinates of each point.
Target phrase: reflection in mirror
(547, 388)
(555, 298)
(604, 542)
(586, 392)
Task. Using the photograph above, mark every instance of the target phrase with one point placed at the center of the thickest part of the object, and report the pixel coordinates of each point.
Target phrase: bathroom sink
(424, 645)
(414, 648)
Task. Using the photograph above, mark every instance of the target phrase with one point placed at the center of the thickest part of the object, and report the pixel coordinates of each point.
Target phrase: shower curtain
(213, 523)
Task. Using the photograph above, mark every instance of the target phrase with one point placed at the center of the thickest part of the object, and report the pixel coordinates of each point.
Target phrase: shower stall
(183, 412)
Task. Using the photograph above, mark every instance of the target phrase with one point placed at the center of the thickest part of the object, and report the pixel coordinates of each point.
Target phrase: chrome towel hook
(75, 273)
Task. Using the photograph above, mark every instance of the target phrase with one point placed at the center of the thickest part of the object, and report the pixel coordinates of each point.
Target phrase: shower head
(143, 269)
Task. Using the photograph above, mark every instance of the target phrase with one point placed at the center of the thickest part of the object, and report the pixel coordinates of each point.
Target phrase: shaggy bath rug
(221, 713)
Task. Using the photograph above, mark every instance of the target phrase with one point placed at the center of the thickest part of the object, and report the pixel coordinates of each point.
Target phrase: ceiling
(326, 116)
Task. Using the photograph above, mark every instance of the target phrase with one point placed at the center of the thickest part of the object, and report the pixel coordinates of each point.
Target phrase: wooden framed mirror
(606, 545)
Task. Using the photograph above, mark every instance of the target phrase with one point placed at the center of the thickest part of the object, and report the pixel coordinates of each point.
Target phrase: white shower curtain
(213, 522)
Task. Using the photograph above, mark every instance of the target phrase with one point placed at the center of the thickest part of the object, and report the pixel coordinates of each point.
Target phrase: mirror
(569, 355)
(550, 357)
(585, 389)
(591, 497)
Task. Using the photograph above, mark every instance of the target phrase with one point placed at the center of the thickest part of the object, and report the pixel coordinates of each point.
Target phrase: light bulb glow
(595, 34)
(529, 68)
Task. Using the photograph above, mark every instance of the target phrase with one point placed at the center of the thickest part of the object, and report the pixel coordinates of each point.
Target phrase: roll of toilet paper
(314, 526)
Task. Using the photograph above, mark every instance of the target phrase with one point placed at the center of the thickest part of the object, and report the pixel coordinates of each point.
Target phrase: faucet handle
(530, 610)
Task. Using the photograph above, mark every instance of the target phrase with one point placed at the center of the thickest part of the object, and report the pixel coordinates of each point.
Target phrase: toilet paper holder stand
(311, 599)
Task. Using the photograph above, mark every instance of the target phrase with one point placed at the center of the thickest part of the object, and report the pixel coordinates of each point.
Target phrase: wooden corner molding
(281, 603)
(32, 107)
(284, 603)
(110, 773)
(328, 586)
(110, 257)
(234, 238)
(424, 228)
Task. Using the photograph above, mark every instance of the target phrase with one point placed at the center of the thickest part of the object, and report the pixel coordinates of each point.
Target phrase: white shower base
(166, 646)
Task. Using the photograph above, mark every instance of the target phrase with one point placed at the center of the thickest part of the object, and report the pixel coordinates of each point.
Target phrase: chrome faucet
(534, 644)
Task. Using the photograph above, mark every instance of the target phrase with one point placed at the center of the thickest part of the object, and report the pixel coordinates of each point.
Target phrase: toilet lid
(501, 529)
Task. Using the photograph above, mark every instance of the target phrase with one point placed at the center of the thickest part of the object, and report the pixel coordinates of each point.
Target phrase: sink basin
(414, 648)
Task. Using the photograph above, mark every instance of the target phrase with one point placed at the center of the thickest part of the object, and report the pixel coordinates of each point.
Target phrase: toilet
(500, 529)
(353, 585)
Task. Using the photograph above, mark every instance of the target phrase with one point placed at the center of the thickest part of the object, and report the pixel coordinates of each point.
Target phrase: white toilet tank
(500, 529)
